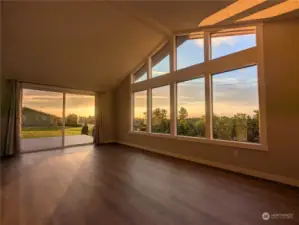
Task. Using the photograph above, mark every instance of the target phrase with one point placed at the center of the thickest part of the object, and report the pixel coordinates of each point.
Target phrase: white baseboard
(250, 172)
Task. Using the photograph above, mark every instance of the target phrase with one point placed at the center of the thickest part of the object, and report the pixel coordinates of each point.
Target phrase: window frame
(167, 45)
(133, 100)
(176, 109)
(238, 31)
(233, 61)
(191, 36)
(151, 110)
(212, 103)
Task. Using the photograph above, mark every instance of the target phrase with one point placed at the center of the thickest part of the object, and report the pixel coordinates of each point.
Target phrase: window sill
(252, 146)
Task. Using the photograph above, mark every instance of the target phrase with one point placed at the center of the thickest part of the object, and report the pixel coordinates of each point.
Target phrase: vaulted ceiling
(89, 45)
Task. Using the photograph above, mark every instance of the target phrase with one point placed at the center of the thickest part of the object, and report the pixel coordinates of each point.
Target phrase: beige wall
(281, 48)
(105, 107)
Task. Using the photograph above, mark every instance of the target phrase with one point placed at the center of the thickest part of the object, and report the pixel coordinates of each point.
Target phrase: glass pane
(140, 111)
(161, 110)
(191, 108)
(143, 77)
(79, 119)
(41, 120)
(225, 45)
(161, 67)
(189, 52)
(141, 74)
(236, 106)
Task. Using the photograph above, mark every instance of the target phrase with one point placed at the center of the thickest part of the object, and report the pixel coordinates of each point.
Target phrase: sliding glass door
(41, 120)
(54, 119)
(79, 119)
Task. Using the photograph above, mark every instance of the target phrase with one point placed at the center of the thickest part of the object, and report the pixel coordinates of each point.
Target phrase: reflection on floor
(119, 185)
(53, 142)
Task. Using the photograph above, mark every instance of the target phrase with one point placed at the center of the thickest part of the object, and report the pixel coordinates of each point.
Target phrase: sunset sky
(233, 92)
(51, 102)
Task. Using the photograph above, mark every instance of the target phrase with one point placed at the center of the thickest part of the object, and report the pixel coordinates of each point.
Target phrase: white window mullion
(207, 46)
(149, 110)
(173, 95)
(209, 108)
(173, 59)
(132, 103)
(173, 109)
(149, 97)
(63, 119)
(261, 86)
(149, 68)
(208, 87)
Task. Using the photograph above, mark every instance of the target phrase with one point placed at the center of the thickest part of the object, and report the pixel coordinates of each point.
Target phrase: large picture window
(161, 110)
(236, 105)
(140, 111)
(213, 101)
(191, 108)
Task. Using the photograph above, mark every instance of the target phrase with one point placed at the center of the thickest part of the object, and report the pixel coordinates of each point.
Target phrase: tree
(82, 119)
(182, 127)
(240, 125)
(223, 127)
(253, 133)
(72, 119)
(200, 127)
(90, 119)
(183, 114)
(140, 124)
(160, 123)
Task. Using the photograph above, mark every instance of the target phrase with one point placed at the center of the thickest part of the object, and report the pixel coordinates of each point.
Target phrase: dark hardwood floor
(119, 185)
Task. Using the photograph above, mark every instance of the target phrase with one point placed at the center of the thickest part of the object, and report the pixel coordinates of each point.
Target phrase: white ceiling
(89, 45)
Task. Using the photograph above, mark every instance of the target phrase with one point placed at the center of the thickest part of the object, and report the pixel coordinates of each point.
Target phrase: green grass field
(38, 132)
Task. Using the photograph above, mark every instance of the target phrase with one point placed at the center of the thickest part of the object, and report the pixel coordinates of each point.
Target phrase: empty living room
(149, 112)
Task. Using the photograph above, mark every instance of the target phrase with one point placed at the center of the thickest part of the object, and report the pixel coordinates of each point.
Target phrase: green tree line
(240, 127)
(75, 120)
